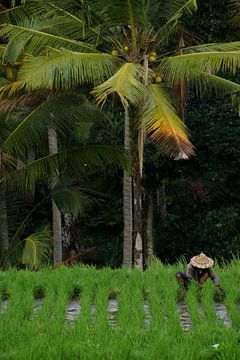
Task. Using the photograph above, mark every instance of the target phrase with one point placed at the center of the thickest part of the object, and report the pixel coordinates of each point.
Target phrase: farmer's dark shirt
(194, 273)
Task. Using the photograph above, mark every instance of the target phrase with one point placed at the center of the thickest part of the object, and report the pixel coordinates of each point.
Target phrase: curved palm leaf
(164, 125)
(17, 13)
(37, 249)
(223, 47)
(186, 67)
(74, 162)
(65, 69)
(186, 8)
(125, 82)
(10, 89)
(71, 199)
(33, 128)
(210, 82)
(39, 34)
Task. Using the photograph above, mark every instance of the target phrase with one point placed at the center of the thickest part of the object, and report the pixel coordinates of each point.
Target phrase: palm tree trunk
(150, 244)
(4, 224)
(137, 206)
(127, 201)
(56, 214)
(137, 187)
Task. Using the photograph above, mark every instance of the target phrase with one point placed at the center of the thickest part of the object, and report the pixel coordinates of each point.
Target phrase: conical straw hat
(201, 261)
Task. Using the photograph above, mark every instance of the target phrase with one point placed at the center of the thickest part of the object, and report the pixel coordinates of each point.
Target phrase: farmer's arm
(214, 277)
(215, 280)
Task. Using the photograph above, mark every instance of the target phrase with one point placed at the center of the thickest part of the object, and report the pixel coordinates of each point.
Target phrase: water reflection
(73, 311)
(221, 312)
(184, 315)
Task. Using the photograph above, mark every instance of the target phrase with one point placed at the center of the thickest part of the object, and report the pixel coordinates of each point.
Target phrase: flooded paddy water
(74, 309)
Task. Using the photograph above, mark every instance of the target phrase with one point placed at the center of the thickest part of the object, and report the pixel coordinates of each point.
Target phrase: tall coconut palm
(120, 47)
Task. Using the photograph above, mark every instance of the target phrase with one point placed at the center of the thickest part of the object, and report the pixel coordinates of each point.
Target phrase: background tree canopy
(188, 206)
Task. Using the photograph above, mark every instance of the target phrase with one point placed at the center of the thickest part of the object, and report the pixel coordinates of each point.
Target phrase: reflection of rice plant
(91, 334)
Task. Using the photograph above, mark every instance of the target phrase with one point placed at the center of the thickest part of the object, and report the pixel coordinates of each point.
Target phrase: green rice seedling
(191, 299)
(153, 293)
(207, 300)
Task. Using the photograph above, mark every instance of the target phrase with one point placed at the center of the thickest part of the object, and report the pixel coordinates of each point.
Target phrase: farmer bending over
(199, 269)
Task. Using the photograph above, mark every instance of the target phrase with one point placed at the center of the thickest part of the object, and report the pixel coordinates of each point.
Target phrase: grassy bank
(47, 334)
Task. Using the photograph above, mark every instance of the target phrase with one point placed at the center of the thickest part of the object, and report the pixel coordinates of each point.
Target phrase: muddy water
(73, 311)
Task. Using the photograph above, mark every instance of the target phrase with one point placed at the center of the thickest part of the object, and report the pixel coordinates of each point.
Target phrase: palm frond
(186, 9)
(119, 12)
(33, 128)
(74, 15)
(38, 39)
(164, 125)
(37, 249)
(17, 13)
(74, 162)
(210, 82)
(10, 89)
(65, 69)
(70, 199)
(126, 82)
(188, 66)
(229, 46)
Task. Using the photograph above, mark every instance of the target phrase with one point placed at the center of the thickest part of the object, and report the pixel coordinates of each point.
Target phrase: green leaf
(66, 69)
(164, 125)
(186, 9)
(186, 67)
(37, 249)
(126, 83)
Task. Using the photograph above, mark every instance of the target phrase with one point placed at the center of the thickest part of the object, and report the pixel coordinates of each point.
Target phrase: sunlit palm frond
(2, 49)
(186, 67)
(126, 82)
(65, 69)
(164, 125)
(12, 88)
(186, 8)
(37, 249)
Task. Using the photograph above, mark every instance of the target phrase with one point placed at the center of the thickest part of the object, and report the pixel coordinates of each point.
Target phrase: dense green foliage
(199, 209)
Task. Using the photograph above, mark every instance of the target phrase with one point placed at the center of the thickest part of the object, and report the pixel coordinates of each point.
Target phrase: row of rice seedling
(146, 322)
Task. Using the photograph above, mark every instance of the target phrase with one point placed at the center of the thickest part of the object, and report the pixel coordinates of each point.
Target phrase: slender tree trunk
(68, 220)
(127, 201)
(4, 224)
(150, 244)
(137, 187)
(56, 214)
(137, 205)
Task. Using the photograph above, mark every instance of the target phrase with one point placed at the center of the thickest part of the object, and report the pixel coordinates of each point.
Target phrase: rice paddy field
(84, 313)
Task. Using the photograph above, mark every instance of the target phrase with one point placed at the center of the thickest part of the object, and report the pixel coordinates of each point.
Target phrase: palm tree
(65, 164)
(120, 47)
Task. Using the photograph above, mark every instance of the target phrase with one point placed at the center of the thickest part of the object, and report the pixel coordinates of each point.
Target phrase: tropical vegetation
(60, 57)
